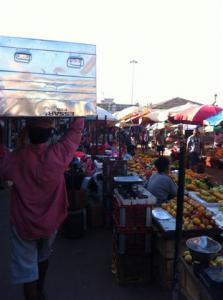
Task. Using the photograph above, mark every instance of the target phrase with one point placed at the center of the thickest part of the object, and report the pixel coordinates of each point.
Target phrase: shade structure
(128, 112)
(181, 108)
(161, 115)
(197, 115)
(158, 115)
(214, 120)
(103, 114)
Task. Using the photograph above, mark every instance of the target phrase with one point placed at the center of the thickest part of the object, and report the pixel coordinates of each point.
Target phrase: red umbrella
(197, 114)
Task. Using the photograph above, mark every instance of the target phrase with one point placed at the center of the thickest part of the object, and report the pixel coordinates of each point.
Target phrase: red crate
(132, 217)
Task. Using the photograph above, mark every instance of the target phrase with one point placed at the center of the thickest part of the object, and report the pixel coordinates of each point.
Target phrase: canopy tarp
(159, 115)
(129, 112)
(175, 110)
(214, 120)
(196, 115)
(102, 114)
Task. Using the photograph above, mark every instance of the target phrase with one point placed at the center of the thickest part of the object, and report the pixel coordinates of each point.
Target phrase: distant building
(109, 105)
(173, 103)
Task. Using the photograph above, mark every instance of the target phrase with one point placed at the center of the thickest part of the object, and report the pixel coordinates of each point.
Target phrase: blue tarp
(214, 120)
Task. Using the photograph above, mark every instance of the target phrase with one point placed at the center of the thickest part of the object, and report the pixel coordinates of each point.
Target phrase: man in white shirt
(195, 148)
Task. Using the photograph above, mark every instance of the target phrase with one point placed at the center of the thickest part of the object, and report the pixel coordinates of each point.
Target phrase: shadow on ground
(79, 269)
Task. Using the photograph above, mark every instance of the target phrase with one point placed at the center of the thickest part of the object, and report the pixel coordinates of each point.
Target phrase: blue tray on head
(128, 179)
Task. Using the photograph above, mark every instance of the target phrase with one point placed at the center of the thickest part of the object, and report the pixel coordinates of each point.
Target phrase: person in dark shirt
(160, 184)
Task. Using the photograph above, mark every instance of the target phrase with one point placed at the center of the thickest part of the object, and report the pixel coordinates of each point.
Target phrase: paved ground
(79, 269)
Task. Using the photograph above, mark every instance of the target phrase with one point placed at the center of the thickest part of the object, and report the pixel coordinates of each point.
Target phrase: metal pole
(96, 134)
(133, 62)
(179, 217)
(104, 131)
(119, 143)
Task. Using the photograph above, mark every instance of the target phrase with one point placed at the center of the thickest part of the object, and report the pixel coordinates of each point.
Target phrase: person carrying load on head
(38, 199)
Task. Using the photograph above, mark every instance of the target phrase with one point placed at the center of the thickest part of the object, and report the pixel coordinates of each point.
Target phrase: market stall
(199, 218)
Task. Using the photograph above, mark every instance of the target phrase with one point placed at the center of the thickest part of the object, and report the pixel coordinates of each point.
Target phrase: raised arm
(61, 154)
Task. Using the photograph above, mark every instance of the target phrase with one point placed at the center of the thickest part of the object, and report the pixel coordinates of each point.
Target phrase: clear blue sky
(178, 43)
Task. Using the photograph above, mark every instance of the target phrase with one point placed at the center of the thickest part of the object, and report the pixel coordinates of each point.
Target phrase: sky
(178, 44)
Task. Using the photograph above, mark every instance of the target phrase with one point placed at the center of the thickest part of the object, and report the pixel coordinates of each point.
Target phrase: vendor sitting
(161, 184)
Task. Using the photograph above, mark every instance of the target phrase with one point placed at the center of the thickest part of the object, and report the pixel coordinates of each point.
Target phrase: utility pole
(133, 62)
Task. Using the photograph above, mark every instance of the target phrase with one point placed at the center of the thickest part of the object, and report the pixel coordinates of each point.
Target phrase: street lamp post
(133, 62)
(215, 98)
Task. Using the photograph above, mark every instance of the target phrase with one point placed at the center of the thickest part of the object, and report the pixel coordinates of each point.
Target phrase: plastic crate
(132, 217)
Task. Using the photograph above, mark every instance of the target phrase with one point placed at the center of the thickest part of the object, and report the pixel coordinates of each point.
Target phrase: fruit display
(213, 195)
(205, 189)
(188, 257)
(195, 215)
(142, 164)
(190, 175)
(194, 183)
(217, 262)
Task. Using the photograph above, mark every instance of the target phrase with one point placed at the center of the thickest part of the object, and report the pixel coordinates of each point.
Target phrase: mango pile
(187, 257)
(205, 189)
(195, 215)
(217, 262)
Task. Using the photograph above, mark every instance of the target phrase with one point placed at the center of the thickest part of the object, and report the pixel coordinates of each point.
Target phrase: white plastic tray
(161, 214)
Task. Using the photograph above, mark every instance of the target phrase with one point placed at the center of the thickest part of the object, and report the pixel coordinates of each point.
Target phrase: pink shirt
(39, 199)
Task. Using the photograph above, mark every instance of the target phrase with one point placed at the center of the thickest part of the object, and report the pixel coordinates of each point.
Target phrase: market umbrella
(214, 120)
(197, 115)
(128, 112)
(159, 115)
(177, 109)
(102, 114)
